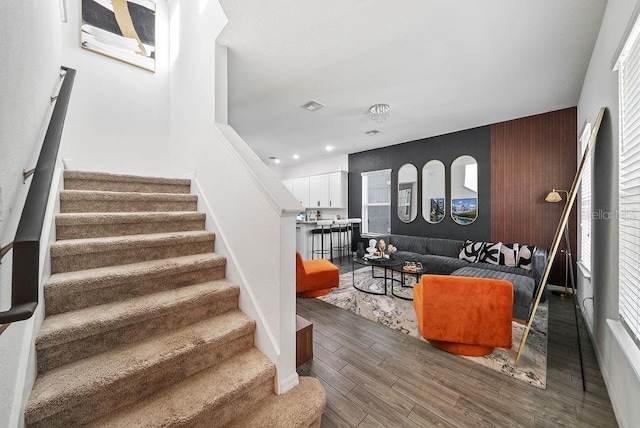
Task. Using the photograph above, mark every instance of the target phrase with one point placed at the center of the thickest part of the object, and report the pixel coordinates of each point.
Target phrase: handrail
(26, 245)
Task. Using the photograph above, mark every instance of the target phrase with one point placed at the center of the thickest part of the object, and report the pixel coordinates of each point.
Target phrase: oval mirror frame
(407, 193)
(433, 192)
(464, 190)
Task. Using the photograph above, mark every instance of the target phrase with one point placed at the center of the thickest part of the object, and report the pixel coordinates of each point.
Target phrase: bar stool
(354, 232)
(341, 228)
(322, 231)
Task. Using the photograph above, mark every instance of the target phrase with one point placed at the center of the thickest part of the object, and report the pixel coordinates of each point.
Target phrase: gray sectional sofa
(440, 256)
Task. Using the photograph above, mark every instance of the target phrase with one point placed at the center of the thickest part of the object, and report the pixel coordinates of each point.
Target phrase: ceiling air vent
(372, 132)
(312, 106)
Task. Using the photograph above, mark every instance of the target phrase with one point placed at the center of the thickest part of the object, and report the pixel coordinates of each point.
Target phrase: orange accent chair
(315, 277)
(464, 315)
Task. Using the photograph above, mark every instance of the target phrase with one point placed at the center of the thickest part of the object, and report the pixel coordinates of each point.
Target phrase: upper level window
(376, 201)
(628, 66)
(585, 203)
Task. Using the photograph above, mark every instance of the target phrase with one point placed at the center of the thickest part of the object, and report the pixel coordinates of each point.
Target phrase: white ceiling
(442, 66)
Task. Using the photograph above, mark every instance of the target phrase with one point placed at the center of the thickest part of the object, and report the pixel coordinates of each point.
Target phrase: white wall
(250, 211)
(118, 119)
(598, 296)
(29, 75)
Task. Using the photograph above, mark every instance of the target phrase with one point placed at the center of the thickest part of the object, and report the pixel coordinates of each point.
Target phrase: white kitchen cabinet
(300, 189)
(319, 191)
(338, 189)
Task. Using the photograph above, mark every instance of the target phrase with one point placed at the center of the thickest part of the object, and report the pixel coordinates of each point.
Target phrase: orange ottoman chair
(315, 277)
(464, 315)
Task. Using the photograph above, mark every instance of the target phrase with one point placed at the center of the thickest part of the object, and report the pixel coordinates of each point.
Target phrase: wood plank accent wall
(530, 157)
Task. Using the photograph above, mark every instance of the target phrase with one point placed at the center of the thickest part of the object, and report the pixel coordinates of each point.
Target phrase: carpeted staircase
(141, 327)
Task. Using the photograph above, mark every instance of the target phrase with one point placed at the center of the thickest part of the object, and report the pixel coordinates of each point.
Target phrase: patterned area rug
(400, 315)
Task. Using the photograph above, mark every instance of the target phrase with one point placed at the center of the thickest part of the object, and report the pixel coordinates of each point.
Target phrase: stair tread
(158, 267)
(299, 407)
(66, 219)
(110, 243)
(136, 196)
(105, 176)
(69, 326)
(61, 387)
(183, 401)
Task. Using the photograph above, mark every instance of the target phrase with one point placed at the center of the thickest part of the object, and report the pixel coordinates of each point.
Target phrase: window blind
(629, 191)
(585, 203)
(376, 201)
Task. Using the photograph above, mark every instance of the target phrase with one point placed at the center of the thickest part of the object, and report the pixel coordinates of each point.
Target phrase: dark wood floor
(378, 377)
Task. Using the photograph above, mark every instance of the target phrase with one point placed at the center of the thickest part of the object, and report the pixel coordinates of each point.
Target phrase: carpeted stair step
(211, 398)
(95, 225)
(80, 254)
(71, 336)
(301, 407)
(77, 393)
(85, 201)
(81, 180)
(71, 291)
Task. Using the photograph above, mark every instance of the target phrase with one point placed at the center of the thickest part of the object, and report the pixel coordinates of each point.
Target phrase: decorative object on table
(360, 250)
(392, 251)
(412, 266)
(563, 230)
(121, 29)
(381, 247)
(399, 315)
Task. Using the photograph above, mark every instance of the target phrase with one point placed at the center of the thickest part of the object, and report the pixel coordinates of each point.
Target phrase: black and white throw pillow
(525, 255)
(471, 251)
(509, 254)
(490, 253)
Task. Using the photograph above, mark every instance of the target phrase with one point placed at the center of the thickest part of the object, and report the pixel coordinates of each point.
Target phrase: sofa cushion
(444, 247)
(490, 253)
(509, 254)
(414, 244)
(471, 251)
(525, 255)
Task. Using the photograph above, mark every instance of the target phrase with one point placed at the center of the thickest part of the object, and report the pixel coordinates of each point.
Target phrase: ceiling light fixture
(296, 156)
(372, 132)
(379, 112)
(274, 159)
(328, 148)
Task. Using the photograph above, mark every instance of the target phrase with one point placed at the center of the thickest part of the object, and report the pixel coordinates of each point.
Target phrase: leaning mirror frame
(464, 190)
(433, 192)
(407, 193)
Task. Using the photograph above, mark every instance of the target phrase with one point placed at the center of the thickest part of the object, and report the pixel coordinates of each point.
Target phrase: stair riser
(91, 260)
(240, 404)
(119, 229)
(60, 300)
(93, 206)
(162, 321)
(81, 410)
(124, 186)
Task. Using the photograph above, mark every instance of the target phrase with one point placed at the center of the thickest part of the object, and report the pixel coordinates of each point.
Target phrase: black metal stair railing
(26, 245)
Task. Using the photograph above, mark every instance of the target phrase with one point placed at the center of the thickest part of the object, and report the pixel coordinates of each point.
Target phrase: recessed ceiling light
(312, 106)
(296, 157)
(274, 159)
(328, 148)
(373, 132)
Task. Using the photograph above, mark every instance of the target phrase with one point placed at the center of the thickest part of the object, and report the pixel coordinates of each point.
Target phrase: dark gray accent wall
(446, 148)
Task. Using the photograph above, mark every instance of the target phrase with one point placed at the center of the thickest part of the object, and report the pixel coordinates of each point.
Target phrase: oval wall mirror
(464, 190)
(407, 192)
(433, 191)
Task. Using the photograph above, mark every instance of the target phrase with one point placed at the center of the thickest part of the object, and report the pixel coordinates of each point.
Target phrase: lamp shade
(553, 196)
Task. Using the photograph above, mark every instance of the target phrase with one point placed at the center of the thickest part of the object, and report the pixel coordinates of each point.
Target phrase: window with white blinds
(376, 201)
(585, 203)
(629, 180)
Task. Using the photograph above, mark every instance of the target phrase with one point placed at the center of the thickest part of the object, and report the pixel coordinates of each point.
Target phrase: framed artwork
(464, 211)
(121, 29)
